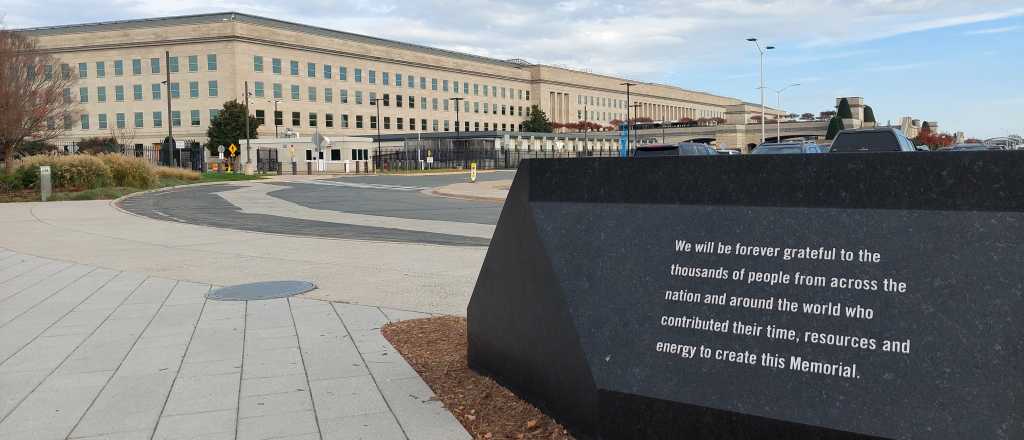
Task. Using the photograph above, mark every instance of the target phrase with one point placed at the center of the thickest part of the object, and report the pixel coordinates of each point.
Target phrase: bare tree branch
(36, 102)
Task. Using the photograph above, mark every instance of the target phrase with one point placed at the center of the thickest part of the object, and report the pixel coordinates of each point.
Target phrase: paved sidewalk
(495, 190)
(92, 353)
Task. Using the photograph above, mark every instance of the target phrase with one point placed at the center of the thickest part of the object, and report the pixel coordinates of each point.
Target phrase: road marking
(363, 185)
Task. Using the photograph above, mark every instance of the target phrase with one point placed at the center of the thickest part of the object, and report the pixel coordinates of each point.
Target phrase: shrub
(8, 183)
(177, 173)
(68, 172)
(128, 171)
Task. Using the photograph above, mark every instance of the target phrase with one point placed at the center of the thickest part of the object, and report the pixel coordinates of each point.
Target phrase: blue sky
(960, 63)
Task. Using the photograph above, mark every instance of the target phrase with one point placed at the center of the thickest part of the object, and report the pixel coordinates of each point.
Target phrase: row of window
(192, 65)
(599, 101)
(328, 72)
(385, 99)
(138, 92)
(119, 120)
(313, 120)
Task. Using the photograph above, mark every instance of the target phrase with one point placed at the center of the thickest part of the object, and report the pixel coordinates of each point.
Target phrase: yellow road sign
(233, 149)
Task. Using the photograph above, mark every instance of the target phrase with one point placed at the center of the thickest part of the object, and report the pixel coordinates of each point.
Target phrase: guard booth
(336, 155)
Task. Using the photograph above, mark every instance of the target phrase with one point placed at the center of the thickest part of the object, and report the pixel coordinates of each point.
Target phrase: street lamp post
(248, 156)
(586, 126)
(170, 120)
(628, 122)
(457, 122)
(762, 52)
(379, 162)
(636, 133)
(778, 118)
(275, 101)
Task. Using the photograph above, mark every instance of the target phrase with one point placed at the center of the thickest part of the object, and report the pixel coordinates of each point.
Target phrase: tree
(925, 128)
(35, 94)
(843, 110)
(538, 121)
(123, 135)
(807, 117)
(229, 126)
(835, 125)
(869, 115)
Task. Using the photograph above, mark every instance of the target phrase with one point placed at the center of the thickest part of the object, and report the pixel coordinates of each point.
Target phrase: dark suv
(871, 140)
(680, 149)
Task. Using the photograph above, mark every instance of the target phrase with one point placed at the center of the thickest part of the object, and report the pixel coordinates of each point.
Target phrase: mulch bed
(436, 348)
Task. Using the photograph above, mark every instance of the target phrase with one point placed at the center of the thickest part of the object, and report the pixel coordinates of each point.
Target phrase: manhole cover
(262, 290)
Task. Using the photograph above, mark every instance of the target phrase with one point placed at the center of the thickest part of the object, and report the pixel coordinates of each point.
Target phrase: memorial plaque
(810, 296)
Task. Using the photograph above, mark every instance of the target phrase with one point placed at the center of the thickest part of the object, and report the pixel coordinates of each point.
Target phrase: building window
(344, 121)
(257, 63)
(175, 90)
(455, 87)
(137, 92)
(119, 120)
(211, 62)
(445, 106)
(118, 67)
(278, 93)
(258, 89)
(433, 84)
(328, 95)
(387, 100)
(154, 65)
(476, 89)
(172, 65)
(311, 92)
(312, 119)
(137, 66)
(83, 70)
(387, 122)
(278, 118)
(412, 101)
(275, 66)
(139, 118)
(193, 89)
(423, 125)
(423, 83)
(444, 87)
(83, 94)
(485, 93)
(67, 122)
(373, 121)
(433, 104)
(296, 119)
(398, 79)
(101, 68)
(476, 126)
(359, 121)
(214, 112)
(359, 97)
(158, 119)
(398, 123)
(311, 70)
(296, 93)
(335, 154)
(328, 120)
(372, 76)
(423, 102)
(445, 125)
(342, 73)
(411, 82)
(343, 96)
(434, 125)
(465, 88)
(193, 63)
(476, 107)
(85, 121)
(194, 117)
(398, 100)
(212, 88)
(373, 97)
(119, 93)
(360, 154)
(384, 79)
(101, 94)
(293, 67)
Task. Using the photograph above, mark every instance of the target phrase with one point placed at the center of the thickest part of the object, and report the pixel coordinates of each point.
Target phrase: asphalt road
(390, 196)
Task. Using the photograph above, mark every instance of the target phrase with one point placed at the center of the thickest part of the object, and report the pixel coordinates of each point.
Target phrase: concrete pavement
(94, 353)
(409, 276)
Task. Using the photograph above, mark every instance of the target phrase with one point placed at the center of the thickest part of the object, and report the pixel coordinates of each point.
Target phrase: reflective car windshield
(778, 150)
(865, 141)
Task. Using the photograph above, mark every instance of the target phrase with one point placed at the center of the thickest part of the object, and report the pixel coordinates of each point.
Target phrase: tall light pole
(275, 101)
(248, 156)
(457, 101)
(628, 122)
(376, 103)
(636, 133)
(778, 118)
(762, 52)
(170, 120)
(586, 126)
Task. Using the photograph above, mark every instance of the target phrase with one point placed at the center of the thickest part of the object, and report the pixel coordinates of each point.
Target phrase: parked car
(729, 151)
(788, 148)
(871, 140)
(680, 149)
(973, 147)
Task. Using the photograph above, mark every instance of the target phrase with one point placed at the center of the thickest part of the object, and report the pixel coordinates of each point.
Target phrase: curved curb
(442, 192)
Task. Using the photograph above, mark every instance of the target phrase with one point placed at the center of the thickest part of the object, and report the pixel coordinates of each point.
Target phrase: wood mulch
(436, 349)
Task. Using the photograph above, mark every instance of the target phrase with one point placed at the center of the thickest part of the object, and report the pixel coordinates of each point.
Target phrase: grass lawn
(113, 192)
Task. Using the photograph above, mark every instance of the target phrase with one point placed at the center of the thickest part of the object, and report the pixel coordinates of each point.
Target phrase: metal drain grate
(261, 290)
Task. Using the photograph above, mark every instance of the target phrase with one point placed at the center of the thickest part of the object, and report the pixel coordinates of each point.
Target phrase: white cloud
(996, 30)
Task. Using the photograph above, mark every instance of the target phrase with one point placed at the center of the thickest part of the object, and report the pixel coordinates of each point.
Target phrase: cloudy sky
(960, 63)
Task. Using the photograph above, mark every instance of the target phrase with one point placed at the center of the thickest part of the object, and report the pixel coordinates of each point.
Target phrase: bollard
(309, 168)
(45, 186)
(294, 166)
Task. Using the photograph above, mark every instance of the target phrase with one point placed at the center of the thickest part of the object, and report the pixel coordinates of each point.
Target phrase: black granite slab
(572, 300)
